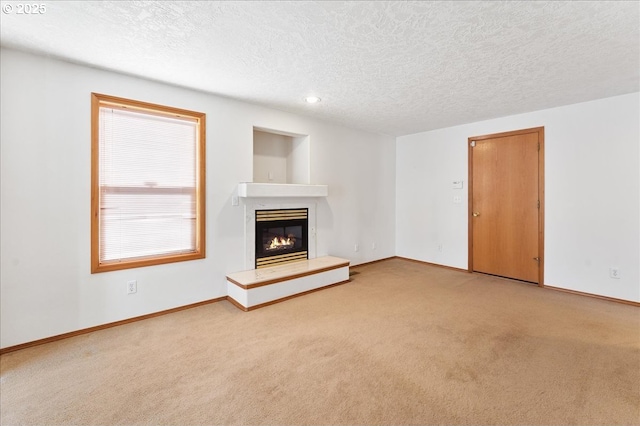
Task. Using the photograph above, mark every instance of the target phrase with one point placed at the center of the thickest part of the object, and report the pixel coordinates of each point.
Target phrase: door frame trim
(540, 132)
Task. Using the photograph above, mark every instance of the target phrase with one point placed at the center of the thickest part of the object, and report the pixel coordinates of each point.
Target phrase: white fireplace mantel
(258, 190)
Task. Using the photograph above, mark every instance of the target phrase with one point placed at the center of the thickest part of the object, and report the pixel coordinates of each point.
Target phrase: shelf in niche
(280, 157)
(255, 190)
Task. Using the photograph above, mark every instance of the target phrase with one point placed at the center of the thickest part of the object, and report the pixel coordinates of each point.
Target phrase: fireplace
(281, 236)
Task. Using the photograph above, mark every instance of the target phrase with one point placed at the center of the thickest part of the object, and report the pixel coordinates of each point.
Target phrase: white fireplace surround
(274, 196)
(253, 204)
(254, 288)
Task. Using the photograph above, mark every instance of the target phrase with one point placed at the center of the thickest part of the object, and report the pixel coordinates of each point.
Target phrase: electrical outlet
(373, 246)
(234, 200)
(440, 247)
(132, 286)
(614, 273)
(356, 247)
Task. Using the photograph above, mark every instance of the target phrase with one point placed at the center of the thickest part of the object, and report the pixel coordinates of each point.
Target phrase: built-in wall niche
(280, 157)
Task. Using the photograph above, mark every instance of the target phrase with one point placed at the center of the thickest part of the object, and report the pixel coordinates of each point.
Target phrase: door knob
(476, 214)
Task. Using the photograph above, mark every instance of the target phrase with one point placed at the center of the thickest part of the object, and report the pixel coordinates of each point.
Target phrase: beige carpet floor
(402, 343)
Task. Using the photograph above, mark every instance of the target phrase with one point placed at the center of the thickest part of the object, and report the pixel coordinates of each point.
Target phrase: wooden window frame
(100, 100)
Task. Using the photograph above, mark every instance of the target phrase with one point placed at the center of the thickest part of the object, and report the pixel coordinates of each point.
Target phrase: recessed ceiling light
(312, 99)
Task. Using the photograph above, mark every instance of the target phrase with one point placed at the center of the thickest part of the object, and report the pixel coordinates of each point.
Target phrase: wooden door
(506, 204)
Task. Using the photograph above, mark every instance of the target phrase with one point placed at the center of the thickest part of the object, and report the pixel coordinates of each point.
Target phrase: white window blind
(147, 184)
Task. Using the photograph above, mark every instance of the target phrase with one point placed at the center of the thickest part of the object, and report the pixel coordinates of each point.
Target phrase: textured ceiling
(388, 67)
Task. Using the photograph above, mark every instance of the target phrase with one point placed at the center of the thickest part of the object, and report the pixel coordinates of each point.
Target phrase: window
(147, 184)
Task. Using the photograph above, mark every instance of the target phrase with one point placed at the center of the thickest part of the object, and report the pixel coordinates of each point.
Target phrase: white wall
(46, 287)
(298, 160)
(592, 196)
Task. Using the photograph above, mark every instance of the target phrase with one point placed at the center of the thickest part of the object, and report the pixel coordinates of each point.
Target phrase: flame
(279, 242)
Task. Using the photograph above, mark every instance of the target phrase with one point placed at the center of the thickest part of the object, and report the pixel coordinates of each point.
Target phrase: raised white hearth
(258, 190)
(256, 288)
